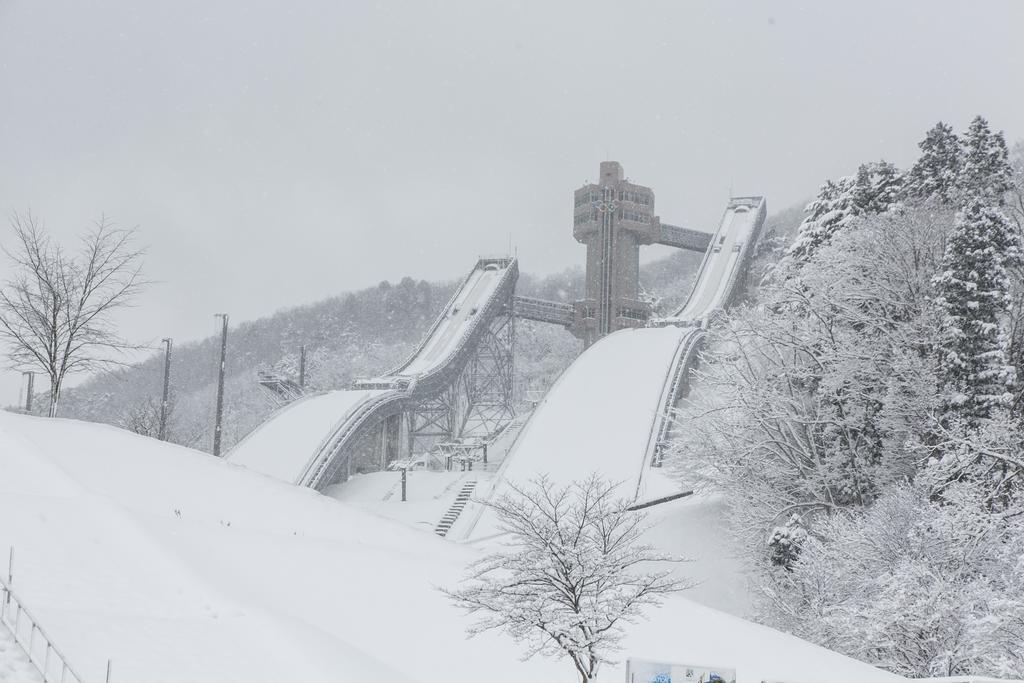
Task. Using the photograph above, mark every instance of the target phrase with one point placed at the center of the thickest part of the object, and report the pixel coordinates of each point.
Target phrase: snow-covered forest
(348, 337)
(862, 414)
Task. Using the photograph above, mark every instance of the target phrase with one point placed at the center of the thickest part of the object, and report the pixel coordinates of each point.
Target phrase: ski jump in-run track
(609, 410)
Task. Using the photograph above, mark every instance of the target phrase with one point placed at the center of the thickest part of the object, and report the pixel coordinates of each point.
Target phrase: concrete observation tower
(613, 218)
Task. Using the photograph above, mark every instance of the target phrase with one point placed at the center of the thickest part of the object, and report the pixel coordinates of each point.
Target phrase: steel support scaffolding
(435, 419)
(489, 379)
(478, 402)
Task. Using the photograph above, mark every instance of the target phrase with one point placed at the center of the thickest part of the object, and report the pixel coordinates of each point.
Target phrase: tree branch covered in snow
(571, 575)
(861, 421)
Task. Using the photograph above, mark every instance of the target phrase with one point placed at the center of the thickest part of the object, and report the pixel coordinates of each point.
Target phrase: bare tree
(56, 309)
(143, 417)
(570, 577)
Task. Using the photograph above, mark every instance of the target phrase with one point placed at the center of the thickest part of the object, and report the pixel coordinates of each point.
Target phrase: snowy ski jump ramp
(311, 442)
(608, 410)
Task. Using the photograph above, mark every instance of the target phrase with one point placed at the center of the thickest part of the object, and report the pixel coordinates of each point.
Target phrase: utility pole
(167, 386)
(220, 382)
(302, 367)
(10, 576)
(31, 390)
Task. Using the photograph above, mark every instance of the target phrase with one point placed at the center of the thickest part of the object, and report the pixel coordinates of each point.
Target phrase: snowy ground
(285, 444)
(428, 495)
(598, 416)
(14, 664)
(180, 567)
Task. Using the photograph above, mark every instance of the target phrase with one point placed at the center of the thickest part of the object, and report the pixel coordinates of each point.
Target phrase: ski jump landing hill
(609, 411)
(457, 381)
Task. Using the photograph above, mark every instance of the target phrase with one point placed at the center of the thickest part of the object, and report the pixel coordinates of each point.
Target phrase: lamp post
(167, 385)
(30, 391)
(220, 382)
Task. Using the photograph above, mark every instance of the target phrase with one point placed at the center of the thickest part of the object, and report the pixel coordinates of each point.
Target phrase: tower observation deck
(613, 218)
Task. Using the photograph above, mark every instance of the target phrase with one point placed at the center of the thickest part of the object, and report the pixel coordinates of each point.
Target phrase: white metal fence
(39, 647)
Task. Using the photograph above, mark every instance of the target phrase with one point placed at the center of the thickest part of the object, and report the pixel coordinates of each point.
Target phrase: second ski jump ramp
(598, 417)
(608, 412)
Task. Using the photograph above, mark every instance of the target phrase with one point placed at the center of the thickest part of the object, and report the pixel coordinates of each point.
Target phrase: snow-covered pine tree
(1015, 211)
(878, 187)
(826, 214)
(986, 171)
(973, 288)
(936, 172)
(875, 188)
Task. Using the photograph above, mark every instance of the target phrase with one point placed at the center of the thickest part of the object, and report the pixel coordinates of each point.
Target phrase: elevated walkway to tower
(683, 238)
(544, 311)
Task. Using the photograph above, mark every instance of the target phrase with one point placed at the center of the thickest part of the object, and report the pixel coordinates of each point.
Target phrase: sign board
(643, 671)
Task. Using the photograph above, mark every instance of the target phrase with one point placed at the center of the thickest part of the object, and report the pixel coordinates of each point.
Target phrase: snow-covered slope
(14, 664)
(428, 494)
(285, 445)
(598, 416)
(180, 567)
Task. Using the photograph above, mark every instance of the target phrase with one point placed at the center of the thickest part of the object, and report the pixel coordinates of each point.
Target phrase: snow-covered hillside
(180, 567)
(14, 664)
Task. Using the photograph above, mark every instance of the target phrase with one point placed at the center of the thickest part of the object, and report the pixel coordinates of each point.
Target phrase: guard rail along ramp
(458, 381)
(717, 287)
(609, 411)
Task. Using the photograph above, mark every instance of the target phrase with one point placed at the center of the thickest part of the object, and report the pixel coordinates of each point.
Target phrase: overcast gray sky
(276, 153)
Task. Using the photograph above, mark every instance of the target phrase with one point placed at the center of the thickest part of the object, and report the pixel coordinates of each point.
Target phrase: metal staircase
(280, 389)
(465, 493)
